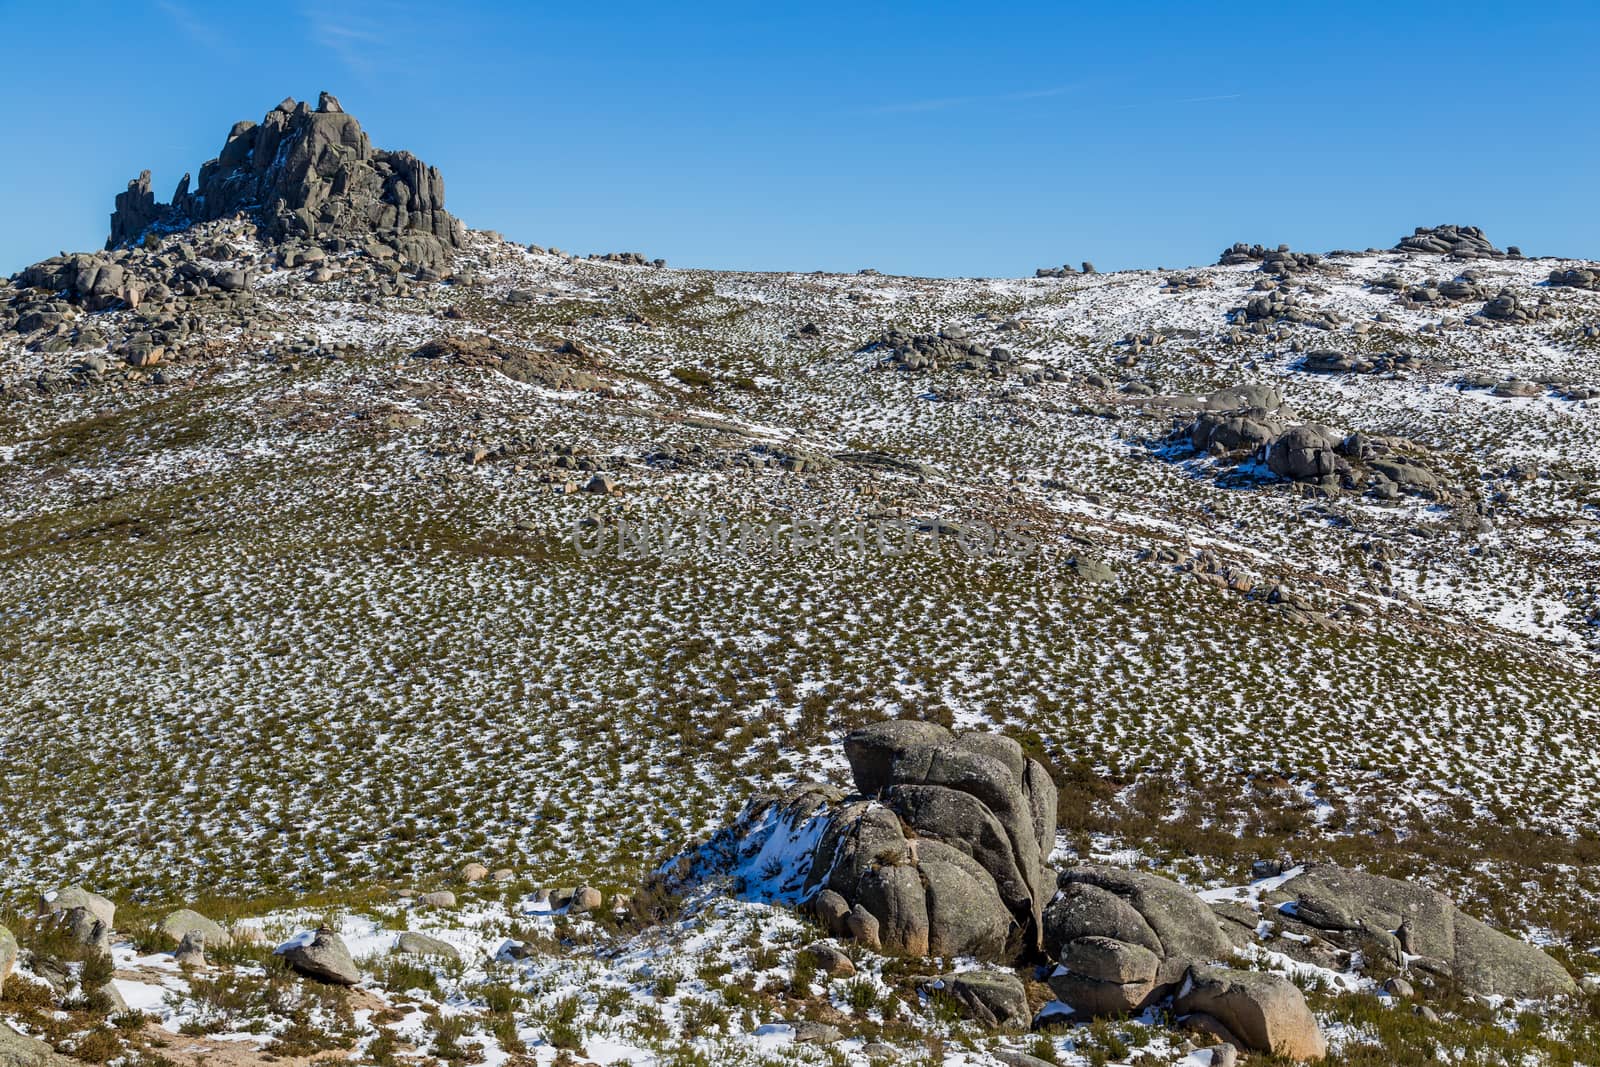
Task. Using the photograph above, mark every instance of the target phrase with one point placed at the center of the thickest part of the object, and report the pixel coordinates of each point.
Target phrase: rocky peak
(303, 173)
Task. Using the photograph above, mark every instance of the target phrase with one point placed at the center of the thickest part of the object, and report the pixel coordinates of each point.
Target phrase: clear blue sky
(917, 138)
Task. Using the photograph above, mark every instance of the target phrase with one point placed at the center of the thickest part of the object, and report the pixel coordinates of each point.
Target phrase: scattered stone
(87, 930)
(473, 873)
(442, 898)
(1399, 988)
(810, 1032)
(8, 953)
(586, 898)
(19, 1050)
(1513, 387)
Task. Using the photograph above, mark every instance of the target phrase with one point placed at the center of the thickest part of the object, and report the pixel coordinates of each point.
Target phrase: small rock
(586, 898)
(473, 873)
(191, 951)
(1399, 988)
(829, 959)
(807, 1032)
(415, 944)
(441, 899)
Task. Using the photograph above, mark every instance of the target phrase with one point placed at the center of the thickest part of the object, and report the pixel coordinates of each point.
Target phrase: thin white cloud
(197, 29)
(944, 103)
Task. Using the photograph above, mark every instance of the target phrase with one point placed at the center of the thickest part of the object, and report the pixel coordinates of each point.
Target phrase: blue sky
(913, 138)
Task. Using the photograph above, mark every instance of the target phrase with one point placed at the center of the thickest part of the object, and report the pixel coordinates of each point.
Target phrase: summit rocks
(304, 173)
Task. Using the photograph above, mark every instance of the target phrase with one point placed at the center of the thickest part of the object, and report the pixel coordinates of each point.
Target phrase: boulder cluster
(944, 850)
(1252, 423)
(951, 348)
(1577, 278)
(1463, 242)
(1278, 305)
(1507, 306)
(1330, 361)
(1066, 270)
(1468, 285)
(306, 174)
(1280, 260)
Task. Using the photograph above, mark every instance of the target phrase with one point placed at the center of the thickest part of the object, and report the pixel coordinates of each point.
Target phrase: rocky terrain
(351, 554)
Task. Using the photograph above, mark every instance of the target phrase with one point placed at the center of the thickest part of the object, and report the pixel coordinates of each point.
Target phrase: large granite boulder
(1305, 452)
(59, 901)
(175, 927)
(1263, 1012)
(302, 173)
(1418, 927)
(945, 851)
(1124, 939)
(1243, 430)
(322, 955)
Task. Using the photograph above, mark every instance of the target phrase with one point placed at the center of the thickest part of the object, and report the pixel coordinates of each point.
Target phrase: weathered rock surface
(1434, 935)
(1267, 1012)
(1465, 241)
(8, 953)
(78, 897)
(20, 1050)
(416, 944)
(184, 921)
(323, 956)
(191, 950)
(304, 173)
(995, 999)
(1123, 939)
(948, 855)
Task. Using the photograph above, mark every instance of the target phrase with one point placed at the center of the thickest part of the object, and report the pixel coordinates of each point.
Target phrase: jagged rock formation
(945, 850)
(1278, 260)
(1416, 927)
(303, 173)
(1467, 242)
